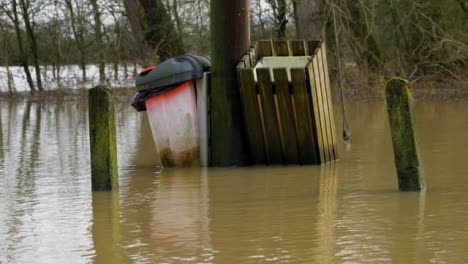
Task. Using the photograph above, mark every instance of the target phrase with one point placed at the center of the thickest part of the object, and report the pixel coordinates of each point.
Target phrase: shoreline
(351, 94)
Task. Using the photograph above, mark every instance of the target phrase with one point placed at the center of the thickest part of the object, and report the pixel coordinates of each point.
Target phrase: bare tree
(153, 30)
(26, 8)
(4, 29)
(307, 19)
(280, 10)
(77, 22)
(99, 41)
(13, 15)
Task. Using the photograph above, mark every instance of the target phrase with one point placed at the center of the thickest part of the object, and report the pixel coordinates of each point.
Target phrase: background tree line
(412, 38)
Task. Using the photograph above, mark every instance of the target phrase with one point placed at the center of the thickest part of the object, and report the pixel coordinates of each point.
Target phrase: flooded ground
(348, 212)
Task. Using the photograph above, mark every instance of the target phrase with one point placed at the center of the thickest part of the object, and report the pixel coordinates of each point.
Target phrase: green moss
(167, 159)
(103, 144)
(401, 119)
(171, 159)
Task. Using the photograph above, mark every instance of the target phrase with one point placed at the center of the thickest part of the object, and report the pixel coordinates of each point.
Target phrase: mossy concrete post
(103, 145)
(405, 143)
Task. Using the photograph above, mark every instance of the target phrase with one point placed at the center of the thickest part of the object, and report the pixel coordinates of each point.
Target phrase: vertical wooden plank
(252, 118)
(264, 49)
(313, 46)
(272, 134)
(241, 64)
(306, 137)
(330, 102)
(247, 62)
(298, 48)
(253, 57)
(281, 48)
(202, 110)
(289, 142)
(326, 107)
(318, 107)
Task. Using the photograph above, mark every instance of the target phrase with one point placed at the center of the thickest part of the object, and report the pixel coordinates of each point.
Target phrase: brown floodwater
(347, 212)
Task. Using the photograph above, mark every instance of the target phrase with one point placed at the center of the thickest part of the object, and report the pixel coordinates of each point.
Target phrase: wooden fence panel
(285, 109)
(306, 137)
(317, 106)
(330, 101)
(281, 48)
(313, 46)
(264, 49)
(272, 135)
(298, 48)
(253, 121)
(326, 107)
(253, 57)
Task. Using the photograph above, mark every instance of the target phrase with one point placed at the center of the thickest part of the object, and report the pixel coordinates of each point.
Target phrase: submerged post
(405, 143)
(102, 137)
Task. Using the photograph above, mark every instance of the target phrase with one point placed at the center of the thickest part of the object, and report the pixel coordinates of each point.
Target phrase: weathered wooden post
(405, 143)
(102, 136)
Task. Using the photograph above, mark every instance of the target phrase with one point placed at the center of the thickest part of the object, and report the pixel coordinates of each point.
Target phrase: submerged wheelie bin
(168, 93)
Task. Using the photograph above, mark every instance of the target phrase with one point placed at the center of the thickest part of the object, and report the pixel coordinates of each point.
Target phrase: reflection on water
(348, 212)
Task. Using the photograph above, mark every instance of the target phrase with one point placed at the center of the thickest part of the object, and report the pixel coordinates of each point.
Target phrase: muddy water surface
(348, 212)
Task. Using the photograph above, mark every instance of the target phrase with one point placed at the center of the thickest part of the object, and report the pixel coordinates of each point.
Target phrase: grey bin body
(167, 76)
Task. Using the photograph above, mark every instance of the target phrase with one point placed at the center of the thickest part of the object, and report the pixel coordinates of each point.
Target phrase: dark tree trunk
(175, 10)
(99, 41)
(464, 5)
(125, 70)
(230, 38)
(282, 19)
(9, 77)
(22, 52)
(7, 46)
(32, 41)
(307, 18)
(83, 67)
(79, 38)
(361, 31)
(153, 30)
(280, 10)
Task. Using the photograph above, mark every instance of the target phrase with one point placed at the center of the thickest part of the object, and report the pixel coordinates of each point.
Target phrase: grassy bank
(120, 94)
(360, 85)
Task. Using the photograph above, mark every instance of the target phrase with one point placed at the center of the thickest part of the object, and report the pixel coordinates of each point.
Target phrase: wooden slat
(281, 48)
(298, 48)
(252, 116)
(202, 110)
(330, 104)
(253, 57)
(288, 129)
(264, 49)
(306, 137)
(326, 107)
(246, 60)
(313, 46)
(317, 106)
(272, 134)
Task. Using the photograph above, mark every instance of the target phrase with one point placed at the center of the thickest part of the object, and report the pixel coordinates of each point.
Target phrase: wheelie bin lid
(167, 76)
(173, 71)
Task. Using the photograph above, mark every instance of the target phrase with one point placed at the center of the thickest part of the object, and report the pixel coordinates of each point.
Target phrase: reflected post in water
(106, 228)
(327, 207)
(408, 235)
